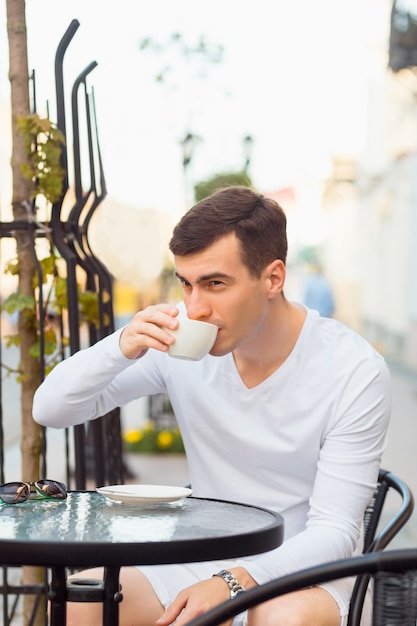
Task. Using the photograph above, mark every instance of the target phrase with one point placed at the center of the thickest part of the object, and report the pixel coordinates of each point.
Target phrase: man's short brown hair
(259, 224)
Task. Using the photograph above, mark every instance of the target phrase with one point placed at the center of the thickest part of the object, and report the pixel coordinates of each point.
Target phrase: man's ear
(275, 274)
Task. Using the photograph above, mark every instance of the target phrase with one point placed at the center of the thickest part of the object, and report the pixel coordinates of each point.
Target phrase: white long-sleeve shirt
(306, 442)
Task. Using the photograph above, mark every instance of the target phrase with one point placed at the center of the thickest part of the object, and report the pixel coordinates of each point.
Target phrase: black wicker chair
(395, 587)
(377, 538)
(387, 481)
(377, 534)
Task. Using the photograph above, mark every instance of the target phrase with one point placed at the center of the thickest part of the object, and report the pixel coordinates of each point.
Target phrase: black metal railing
(97, 446)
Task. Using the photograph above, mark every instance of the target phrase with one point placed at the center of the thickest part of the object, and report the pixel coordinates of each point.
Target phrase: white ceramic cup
(193, 339)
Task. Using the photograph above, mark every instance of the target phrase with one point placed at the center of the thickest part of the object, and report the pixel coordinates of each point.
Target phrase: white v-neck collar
(281, 370)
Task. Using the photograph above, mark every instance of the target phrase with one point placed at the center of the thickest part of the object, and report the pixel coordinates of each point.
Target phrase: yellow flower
(133, 436)
(164, 439)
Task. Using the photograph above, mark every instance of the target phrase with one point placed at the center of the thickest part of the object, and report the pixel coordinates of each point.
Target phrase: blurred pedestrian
(318, 293)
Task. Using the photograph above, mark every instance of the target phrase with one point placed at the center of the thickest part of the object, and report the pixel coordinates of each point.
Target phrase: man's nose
(197, 306)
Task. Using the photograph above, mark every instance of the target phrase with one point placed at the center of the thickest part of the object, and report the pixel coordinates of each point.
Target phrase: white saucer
(144, 494)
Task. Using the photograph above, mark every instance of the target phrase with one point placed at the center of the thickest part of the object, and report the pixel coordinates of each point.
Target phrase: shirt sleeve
(88, 385)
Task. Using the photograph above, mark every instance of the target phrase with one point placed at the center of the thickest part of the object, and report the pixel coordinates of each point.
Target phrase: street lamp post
(247, 149)
(188, 145)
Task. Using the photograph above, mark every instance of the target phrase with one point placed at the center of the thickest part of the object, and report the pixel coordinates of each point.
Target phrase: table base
(107, 591)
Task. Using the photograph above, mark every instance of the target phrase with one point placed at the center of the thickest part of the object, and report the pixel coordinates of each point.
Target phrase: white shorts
(168, 580)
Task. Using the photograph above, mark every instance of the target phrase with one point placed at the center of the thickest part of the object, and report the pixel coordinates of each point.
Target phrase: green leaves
(88, 306)
(178, 55)
(55, 302)
(43, 143)
(50, 344)
(205, 188)
(17, 302)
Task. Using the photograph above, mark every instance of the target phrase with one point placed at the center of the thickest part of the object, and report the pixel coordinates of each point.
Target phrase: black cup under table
(87, 529)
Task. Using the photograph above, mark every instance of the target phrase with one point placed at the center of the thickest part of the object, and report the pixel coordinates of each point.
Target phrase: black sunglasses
(13, 493)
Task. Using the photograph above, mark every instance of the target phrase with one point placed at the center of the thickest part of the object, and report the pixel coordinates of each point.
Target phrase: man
(288, 411)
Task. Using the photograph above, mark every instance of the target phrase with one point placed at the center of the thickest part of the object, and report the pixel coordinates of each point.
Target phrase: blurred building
(387, 192)
(371, 207)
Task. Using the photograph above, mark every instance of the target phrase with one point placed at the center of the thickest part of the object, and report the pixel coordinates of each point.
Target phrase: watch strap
(232, 582)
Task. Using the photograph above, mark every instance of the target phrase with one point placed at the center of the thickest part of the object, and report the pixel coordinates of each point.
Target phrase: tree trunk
(22, 189)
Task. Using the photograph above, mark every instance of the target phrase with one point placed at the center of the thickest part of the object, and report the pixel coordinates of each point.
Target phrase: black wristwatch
(233, 583)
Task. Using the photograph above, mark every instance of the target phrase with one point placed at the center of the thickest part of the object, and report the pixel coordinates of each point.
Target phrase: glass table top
(88, 522)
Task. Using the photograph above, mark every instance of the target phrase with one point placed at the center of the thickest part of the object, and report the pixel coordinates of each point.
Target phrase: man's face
(218, 288)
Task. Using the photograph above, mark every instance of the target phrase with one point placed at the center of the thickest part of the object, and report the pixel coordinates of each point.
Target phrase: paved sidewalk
(400, 457)
(158, 469)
